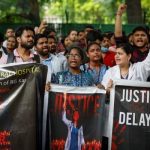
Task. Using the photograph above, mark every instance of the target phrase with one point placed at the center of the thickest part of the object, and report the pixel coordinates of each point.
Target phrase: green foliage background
(70, 11)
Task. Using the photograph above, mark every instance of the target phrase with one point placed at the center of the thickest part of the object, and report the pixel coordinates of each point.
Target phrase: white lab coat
(138, 72)
(70, 126)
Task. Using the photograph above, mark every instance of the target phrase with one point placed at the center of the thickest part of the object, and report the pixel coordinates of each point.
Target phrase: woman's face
(74, 58)
(121, 57)
(73, 36)
(94, 53)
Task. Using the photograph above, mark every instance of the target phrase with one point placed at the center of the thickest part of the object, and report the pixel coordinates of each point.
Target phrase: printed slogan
(131, 118)
(21, 95)
(87, 106)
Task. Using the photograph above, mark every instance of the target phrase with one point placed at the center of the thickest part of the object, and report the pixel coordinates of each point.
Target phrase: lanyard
(97, 74)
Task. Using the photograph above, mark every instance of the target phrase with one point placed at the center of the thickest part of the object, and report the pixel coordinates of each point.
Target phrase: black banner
(131, 121)
(80, 124)
(21, 100)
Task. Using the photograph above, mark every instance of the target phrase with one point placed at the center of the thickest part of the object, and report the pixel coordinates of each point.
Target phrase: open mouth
(140, 41)
(117, 60)
(45, 49)
(73, 62)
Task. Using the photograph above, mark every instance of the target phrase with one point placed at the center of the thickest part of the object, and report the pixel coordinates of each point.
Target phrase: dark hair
(80, 31)
(141, 28)
(89, 26)
(63, 39)
(48, 30)
(1, 37)
(12, 36)
(127, 48)
(80, 51)
(20, 30)
(90, 44)
(71, 31)
(51, 37)
(63, 43)
(37, 37)
(93, 35)
(107, 35)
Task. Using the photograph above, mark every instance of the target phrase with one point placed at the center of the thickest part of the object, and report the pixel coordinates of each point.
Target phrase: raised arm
(42, 26)
(118, 20)
(64, 118)
(64, 104)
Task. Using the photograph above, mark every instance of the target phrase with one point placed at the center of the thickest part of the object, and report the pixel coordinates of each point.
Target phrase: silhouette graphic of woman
(75, 139)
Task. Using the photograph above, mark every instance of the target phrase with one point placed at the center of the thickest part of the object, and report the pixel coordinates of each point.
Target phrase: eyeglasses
(76, 56)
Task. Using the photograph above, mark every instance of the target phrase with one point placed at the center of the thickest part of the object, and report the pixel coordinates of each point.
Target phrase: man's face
(27, 39)
(106, 42)
(140, 39)
(81, 36)
(42, 46)
(67, 42)
(52, 45)
(9, 32)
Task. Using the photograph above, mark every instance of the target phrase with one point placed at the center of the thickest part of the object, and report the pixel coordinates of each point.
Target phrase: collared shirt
(53, 64)
(5, 43)
(138, 56)
(137, 72)
(63, 60)
(18, 59)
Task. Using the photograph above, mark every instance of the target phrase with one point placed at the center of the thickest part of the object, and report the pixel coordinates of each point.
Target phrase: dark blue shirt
(67, 78)
(74, 139)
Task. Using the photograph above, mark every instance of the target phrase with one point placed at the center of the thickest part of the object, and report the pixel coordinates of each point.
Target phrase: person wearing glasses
(74, 76)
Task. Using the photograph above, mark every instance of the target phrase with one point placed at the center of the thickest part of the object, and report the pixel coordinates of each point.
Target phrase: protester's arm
(42, 26)
(100, 86)
(48, 87)
(64, 118)
(118, 20)
(64, 104)
(82, 136)
(109, 86)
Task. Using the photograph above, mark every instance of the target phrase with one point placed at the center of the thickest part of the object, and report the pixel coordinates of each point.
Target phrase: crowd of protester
(87, 57)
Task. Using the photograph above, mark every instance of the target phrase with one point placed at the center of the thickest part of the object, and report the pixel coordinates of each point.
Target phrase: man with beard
(42, 49)
(25, 40)
(52, 43)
